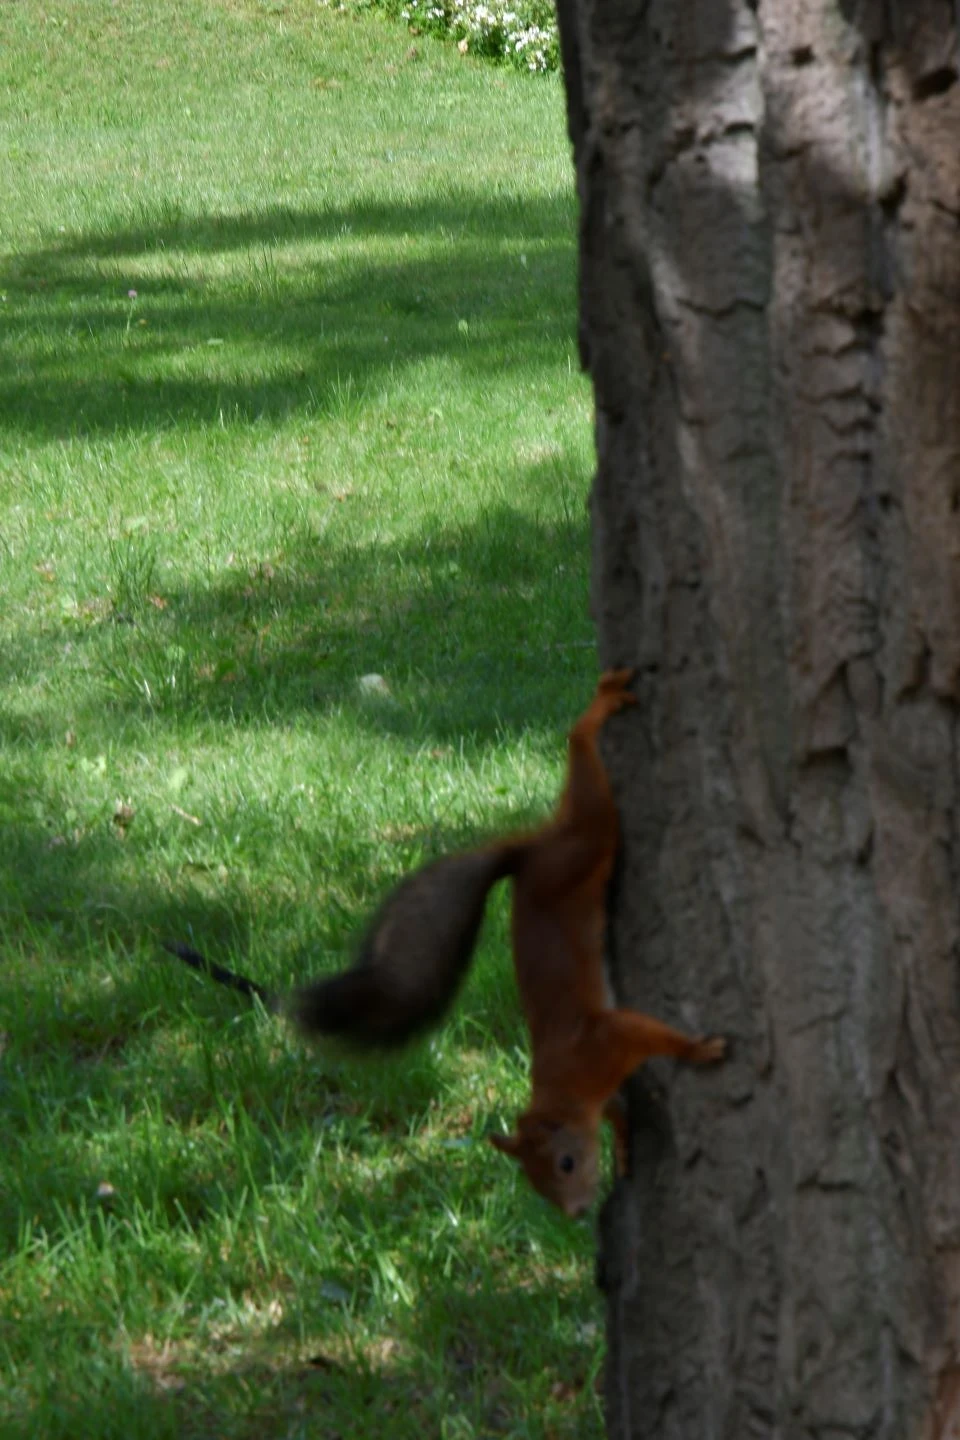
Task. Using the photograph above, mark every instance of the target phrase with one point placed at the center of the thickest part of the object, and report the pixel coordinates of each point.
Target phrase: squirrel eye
(567, 1164)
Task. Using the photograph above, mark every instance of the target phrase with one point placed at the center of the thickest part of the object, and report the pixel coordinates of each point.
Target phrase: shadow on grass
(183, 1108)
(503, 1326)
(440, 616)
(240, 1390)
(483, 623)
(477, 628)
(288, 325)
(470, 619)
(60, 901)
(481, 631)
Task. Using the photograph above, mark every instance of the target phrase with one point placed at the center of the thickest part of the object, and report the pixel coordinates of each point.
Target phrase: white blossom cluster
(522, 32)
(538, 47)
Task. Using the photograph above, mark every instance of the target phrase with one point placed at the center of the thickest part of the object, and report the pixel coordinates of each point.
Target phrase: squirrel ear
(509, 1144)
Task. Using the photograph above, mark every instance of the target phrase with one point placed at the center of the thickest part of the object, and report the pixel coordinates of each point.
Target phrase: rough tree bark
(770, 311)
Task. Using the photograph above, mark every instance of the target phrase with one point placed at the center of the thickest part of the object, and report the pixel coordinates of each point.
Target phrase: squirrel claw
(617, 679)
(710, 1050)
(612, 693)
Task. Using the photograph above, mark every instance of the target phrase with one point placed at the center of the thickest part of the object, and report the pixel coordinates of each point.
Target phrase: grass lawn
(288, 398)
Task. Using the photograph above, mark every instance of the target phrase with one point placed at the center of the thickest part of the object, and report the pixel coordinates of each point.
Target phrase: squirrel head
(560, 1160)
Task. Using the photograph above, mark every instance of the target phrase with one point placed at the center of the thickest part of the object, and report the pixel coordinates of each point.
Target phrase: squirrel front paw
(613, 680)
(612, 690)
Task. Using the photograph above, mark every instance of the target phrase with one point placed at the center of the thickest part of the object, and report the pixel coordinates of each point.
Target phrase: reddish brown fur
(582, 1049)
(420, 943)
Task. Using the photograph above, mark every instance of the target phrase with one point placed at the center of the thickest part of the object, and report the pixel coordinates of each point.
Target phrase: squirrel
(419, 945)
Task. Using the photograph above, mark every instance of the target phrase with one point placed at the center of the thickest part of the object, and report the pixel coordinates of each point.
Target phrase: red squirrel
(419, 945)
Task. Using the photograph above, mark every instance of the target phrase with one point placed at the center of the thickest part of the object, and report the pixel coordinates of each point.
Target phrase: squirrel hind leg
(710, 1050)
(412, 959)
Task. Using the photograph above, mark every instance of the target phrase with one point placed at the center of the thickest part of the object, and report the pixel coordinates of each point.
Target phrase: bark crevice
(770, 298)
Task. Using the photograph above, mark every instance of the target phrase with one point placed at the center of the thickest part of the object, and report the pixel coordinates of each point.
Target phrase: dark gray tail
(413, 958)
(411, 961)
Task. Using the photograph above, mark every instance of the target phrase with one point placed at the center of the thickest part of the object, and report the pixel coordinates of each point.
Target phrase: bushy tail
(416, 952)
(411, 961)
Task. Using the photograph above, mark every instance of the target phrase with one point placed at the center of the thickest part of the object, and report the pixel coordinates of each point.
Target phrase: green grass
(337, 432)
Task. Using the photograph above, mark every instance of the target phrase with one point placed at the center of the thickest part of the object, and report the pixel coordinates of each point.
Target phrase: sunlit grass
(288, 397)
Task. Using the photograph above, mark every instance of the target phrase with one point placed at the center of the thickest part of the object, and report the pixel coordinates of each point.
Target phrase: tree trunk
(770, 311)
